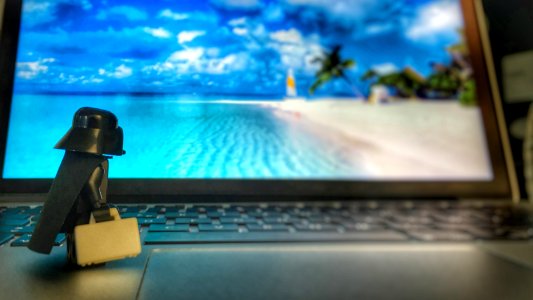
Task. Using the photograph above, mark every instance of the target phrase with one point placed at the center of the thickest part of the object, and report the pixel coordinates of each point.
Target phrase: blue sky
(229, 47)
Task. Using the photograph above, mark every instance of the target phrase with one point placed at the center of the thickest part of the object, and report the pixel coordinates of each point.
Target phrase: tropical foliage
(333, 67)
(453, 80)
(407, 82)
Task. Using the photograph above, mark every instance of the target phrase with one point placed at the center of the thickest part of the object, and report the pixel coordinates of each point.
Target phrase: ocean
(171, 137)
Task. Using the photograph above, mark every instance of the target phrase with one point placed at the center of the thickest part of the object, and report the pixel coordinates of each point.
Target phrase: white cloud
(435, 19)
(352, 9)
(191, 54)
(69, 79)
(259, 31)
(92, 80)
(31, 7)
(158, 32)
(39, 5)
(295, 50)
(238, 4)
(374, 29)
(386, 68)
(199, 61)
(75, 78)
(169, 14)
(219, 66)
(213, 52)
(121, 72)
(240, 31)
(188, 36)
(287, 36)
(30, 70)
(101, 72)
(237, 22)
(129, 12)
(38, 12)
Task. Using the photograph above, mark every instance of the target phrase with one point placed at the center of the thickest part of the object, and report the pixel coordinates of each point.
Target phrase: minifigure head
(93, 131)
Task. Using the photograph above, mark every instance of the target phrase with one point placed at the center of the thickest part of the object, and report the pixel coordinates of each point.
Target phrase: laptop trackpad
(345, 272)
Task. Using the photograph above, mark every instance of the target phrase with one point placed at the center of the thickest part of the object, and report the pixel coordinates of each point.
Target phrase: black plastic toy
(78, 193)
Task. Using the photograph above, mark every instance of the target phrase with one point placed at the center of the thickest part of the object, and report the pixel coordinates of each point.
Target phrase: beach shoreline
(402, 140)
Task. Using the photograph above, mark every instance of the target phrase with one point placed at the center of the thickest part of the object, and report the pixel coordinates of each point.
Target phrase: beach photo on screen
(253, 89)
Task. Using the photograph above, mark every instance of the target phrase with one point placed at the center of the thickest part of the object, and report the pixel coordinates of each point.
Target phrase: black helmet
(93, 131)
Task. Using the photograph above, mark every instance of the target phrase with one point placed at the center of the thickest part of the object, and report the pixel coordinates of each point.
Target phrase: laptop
(283, 149)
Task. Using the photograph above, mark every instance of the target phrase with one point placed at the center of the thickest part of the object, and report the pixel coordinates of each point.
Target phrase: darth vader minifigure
(78, 192)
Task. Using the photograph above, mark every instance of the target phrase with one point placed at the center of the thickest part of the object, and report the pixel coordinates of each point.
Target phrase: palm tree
(407, 83)
(333, 67)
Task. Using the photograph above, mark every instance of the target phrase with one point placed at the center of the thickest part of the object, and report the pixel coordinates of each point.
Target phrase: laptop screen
(250, 89)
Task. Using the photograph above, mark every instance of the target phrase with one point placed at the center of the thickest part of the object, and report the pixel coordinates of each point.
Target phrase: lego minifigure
(78, 194)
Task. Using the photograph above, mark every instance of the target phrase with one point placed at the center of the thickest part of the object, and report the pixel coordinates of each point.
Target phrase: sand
(415, 140)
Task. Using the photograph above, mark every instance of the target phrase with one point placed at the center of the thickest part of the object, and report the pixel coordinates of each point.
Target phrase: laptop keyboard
(174, 224)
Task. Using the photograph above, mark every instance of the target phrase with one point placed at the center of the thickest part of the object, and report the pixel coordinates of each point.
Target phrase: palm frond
(348, 63)
(322, 79)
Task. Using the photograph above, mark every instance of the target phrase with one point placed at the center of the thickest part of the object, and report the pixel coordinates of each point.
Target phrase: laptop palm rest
(334, 272)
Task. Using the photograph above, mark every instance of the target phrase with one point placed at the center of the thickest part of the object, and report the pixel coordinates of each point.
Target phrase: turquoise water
(166, 137)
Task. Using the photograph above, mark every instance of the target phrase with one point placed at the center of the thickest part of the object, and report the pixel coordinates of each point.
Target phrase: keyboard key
(316, 227)
(24, 240)
(7, 229)
(280, 220)
(141, 214)
(147, 221)
(187, 214)
(206, 208)
(15, 210)
(34, 211)
(155, 210)
(171, 214)
(126, 215)
(174, 208)
(244, 220)
(409, 226)
(272, 214)
(230, 214)
(24, 230)
(193, 221)
(5, 237)
(362, 226)
(424, 220)
(455, 218)
(14, 222)
(132, 209)
(15, 216)
(366, 219)
(267, 227)
(164, 228)
(255, 214)
(60, 239)
(213, 214)
(222, 237)
(319, 219)
(218, 227)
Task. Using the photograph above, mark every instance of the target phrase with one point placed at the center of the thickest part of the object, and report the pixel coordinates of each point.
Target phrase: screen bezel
(270, 190)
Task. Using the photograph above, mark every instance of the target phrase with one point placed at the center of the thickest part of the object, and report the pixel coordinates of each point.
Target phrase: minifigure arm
(91, 190)
(95, 189)
(94, 192)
